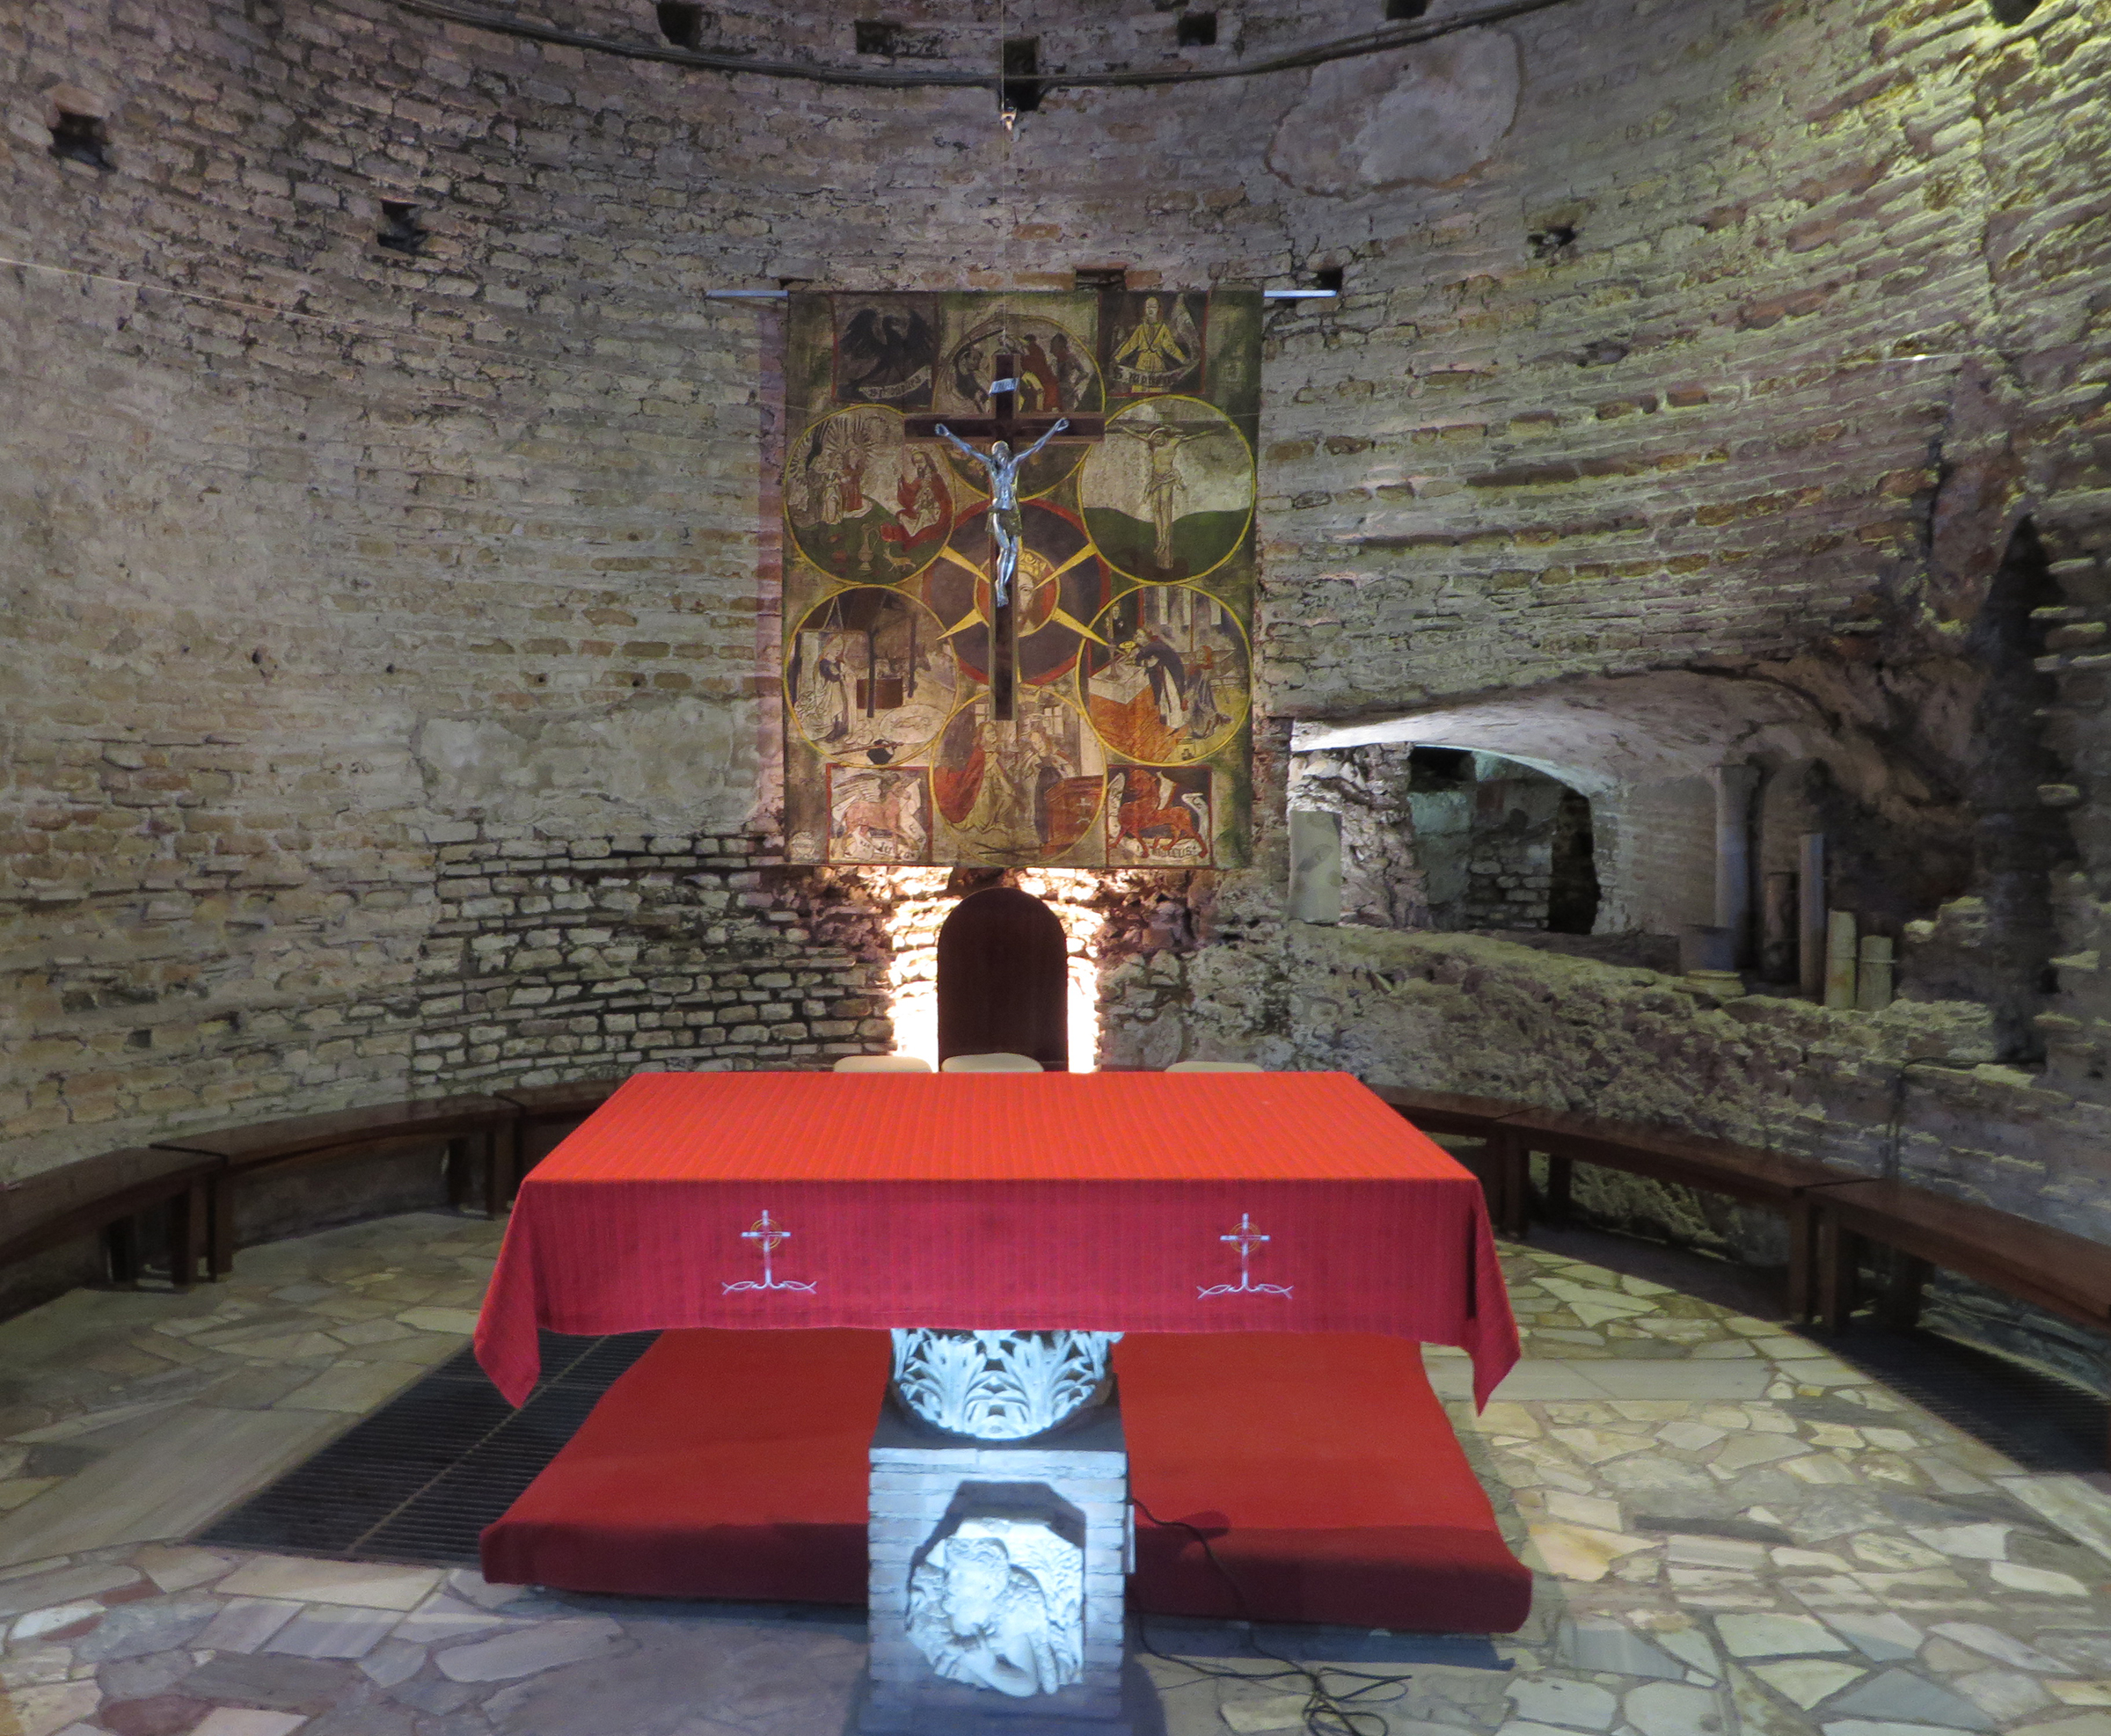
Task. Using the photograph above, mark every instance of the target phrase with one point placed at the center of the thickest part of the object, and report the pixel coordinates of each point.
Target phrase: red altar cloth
(1149, 1202)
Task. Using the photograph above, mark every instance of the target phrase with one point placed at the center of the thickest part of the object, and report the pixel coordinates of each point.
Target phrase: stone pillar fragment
(1810, 904)
(1735, 785)
(1778, 919)
(1873, 975)
(1315, 866)
(1839, 962)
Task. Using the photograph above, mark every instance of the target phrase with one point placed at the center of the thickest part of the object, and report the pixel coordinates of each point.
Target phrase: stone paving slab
(1735, 1536)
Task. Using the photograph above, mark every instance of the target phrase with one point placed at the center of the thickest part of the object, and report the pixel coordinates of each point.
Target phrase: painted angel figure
(1007, 521)
(1157, 351)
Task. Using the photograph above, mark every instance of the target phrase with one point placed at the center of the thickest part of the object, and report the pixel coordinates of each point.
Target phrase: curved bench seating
(574, 1100)
(1507, 1180)
(1514, 1131)
(104, 1195)
(2053, 1269)
(192, 1178)
(1772, 1180)
(481, 1131)
(1829, 1211)
(545, 1106)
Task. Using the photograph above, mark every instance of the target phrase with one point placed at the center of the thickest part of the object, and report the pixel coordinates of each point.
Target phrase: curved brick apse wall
(385, 625)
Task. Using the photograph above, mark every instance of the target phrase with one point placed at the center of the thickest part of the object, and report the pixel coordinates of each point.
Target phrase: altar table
(1148, 1202)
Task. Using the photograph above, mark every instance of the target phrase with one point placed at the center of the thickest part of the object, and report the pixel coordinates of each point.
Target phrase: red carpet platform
(1322, 1469)
(1325, 1474)
(721, 1464)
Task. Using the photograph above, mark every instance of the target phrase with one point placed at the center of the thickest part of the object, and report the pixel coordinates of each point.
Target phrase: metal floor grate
(418, 1480)
(2042, 1422)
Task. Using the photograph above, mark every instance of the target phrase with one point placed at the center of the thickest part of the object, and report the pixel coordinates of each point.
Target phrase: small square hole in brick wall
(1401, 11)
(1196, 30)
(1021, 60)
(2011, 11)
(81, 138)
(1328, 277)
(901, 42)
(681, 22)
(400, 232)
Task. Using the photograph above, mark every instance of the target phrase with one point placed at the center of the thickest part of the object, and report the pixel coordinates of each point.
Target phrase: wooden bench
(1772, 1180)
(1480, 1118)
(544, 1106)
(1514, 1131)
(574, 1100)
(2053, 1269)
(479, 1131)
(106, 1193)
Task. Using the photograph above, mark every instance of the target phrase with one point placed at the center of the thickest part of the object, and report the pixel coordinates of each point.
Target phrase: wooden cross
(1003, 422)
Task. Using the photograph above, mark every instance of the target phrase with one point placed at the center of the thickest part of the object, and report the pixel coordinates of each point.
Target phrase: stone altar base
(1028, 1543)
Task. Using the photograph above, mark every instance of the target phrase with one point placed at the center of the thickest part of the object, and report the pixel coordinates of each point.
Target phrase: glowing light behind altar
(921, 906)
(1066, 891)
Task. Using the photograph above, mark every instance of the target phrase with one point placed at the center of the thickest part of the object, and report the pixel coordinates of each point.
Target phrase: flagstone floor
(1735, 1534)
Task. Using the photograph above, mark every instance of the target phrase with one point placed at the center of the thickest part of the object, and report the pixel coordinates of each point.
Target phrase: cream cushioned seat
(990, 1063)
(881, 1063)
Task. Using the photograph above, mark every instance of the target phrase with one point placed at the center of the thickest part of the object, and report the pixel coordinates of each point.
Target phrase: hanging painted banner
(1096, 713)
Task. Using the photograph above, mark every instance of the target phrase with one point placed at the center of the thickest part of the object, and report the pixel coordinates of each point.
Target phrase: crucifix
(1002, 426)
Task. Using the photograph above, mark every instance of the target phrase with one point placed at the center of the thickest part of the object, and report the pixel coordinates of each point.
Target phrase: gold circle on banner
(1166, 678)
(868, 679)
(862, 503)
(1168, 490)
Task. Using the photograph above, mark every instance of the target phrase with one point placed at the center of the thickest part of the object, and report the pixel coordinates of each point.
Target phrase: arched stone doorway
(1002, 979)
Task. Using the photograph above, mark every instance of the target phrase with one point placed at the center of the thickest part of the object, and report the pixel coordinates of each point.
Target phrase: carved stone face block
(1000, 1604)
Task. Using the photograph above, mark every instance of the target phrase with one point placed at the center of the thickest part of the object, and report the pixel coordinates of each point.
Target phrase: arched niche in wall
(1003, 986)
(1449, 838)
(1632, 754)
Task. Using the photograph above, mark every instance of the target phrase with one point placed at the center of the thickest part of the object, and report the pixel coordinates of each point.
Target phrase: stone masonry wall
(385, 628)
(1656, 856)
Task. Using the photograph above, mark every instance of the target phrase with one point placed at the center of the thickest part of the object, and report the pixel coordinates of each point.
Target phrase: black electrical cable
(1327, 1713)
(888, 79)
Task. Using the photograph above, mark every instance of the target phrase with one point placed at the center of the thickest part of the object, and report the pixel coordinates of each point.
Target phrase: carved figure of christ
(1002, 428)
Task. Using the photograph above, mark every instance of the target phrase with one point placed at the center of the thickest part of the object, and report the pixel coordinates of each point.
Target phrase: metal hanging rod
(785, 294)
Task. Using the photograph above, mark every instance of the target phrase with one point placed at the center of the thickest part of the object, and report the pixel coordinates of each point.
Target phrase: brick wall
(1739, 351)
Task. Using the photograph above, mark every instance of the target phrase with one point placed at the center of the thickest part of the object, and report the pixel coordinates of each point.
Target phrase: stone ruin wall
(389, 716)
(1914, 1091)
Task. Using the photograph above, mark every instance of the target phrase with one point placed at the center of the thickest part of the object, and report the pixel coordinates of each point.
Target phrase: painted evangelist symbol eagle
(886, 356)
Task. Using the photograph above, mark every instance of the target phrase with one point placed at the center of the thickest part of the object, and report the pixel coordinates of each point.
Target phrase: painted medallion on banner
(1129, 742)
